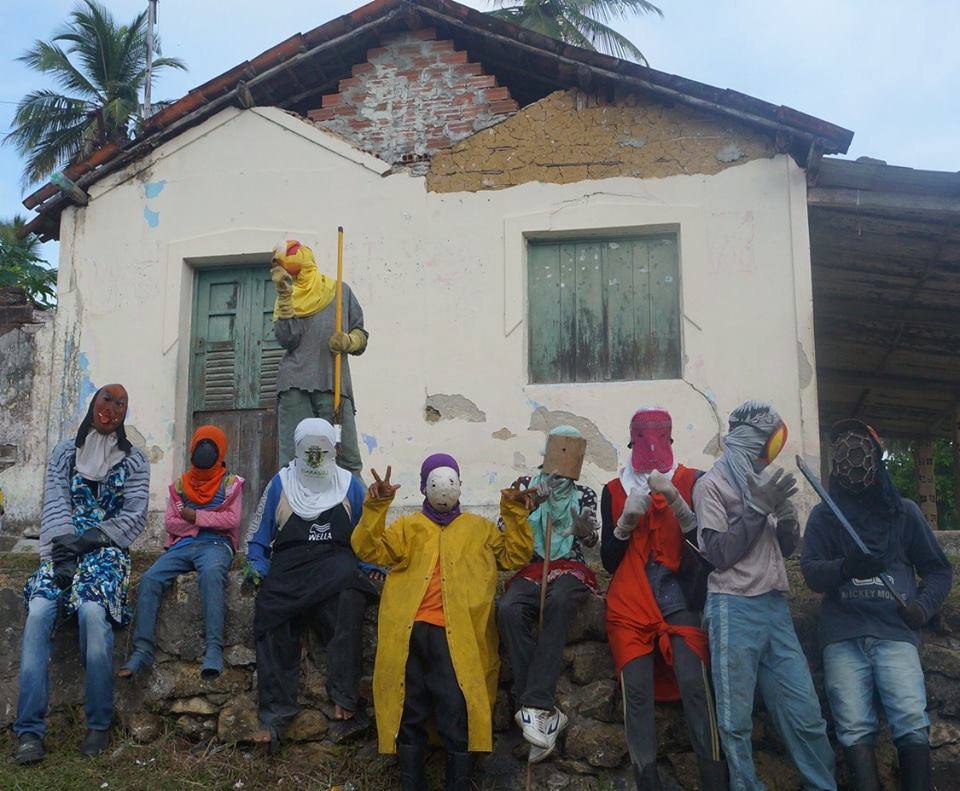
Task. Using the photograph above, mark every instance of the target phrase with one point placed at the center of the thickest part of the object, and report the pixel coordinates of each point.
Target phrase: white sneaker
(541, 727)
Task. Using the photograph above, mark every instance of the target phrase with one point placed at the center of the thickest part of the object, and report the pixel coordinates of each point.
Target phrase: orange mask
(775, 443)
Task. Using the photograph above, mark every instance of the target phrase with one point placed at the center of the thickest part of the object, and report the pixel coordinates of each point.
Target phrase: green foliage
(903, 469)
(101, 68)
(583, 23)
(20, 267)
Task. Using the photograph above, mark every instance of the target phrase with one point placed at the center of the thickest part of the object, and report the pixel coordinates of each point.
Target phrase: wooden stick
(548, 535)
(337, 360)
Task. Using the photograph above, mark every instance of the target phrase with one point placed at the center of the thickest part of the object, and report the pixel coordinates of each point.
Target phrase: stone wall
(572, 136)
(592, 753)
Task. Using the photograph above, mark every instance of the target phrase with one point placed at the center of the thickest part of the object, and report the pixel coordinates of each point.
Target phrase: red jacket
(635, 625)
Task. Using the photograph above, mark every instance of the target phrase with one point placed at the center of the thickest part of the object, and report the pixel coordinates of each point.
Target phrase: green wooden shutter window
(235, 352)
(604, 310)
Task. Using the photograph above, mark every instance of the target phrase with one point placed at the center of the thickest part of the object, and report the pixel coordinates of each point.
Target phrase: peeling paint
(730, 153)
(370, 441)
(713, 447)
(600, 450)
(503, 433)
(806, 370)
(441, 406)
(154, 453)
(519, 461)
(152, 217)
(153, 188)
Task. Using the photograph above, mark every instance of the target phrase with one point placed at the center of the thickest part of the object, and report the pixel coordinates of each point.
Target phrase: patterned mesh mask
(855, 461)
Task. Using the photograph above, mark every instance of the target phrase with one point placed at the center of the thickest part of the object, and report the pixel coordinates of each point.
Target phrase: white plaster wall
(441, 279)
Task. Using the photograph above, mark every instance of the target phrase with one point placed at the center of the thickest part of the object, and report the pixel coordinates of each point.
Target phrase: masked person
(653, 606)
(95, 498)
(203, 526)
(747, 525)
(307, 575)
(437, 640)
(869, 641)
(305, 326)
(536, 655)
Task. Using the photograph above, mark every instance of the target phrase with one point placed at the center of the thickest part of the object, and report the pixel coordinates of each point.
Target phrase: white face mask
(443, 489)
(316, 462)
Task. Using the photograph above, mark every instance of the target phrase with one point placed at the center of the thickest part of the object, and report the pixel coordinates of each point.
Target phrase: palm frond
(608, 10)
(606, 38)
(48, 58)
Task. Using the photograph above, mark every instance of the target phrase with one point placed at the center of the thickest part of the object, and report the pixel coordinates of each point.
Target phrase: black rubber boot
(412, 775)
(862, 763)
(29, 749)
(713, 775)
(458, 772)
(914, 767)
(95, 743)
(647, 778)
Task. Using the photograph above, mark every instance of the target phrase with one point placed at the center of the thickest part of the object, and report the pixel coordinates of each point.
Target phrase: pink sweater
(224, 518)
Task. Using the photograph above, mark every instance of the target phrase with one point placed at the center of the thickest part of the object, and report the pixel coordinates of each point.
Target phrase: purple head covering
(430, 464)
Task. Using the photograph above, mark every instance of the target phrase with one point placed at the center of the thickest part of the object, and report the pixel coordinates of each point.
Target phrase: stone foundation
(592, 754)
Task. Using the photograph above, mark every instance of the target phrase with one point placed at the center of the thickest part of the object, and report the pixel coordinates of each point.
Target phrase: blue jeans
(752, 641)
(211, 560)
(96, 654)
(857, 670)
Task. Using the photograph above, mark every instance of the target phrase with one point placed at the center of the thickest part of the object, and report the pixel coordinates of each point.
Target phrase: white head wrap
(98, 455)
(312, 482)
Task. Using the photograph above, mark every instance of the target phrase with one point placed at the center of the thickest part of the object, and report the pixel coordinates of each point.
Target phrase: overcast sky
(887, 69)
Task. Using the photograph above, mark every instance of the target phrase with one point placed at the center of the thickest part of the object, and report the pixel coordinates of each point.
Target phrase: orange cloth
(431, 607)
(201, 485)
(635, 626)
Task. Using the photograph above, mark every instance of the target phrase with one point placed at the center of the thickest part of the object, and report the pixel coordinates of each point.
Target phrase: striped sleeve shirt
(57, 517)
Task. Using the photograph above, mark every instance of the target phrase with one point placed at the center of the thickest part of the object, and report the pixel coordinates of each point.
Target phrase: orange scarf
(198, 485)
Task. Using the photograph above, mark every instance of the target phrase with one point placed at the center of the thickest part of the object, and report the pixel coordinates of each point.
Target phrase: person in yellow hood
(304, 323)
(437, 636)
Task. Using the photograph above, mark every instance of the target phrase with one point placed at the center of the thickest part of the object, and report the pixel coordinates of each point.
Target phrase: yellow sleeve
(373, 541)
(514, 545)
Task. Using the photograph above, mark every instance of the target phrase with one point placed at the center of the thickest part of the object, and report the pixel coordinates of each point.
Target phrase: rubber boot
(458, 772)
(713, 775)
(914, 767)
(647, 778)
(862, 763)
(412, 775)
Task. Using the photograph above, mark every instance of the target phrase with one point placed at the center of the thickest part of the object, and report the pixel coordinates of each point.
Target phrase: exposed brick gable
(412, 97)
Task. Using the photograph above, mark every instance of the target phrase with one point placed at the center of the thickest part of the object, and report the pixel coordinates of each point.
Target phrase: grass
(171, 763)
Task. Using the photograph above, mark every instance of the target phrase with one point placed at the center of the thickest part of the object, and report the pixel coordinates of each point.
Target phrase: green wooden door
(604, 309)
(234, 372)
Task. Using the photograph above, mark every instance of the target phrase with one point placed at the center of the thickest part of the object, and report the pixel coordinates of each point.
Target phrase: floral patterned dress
(102, 577)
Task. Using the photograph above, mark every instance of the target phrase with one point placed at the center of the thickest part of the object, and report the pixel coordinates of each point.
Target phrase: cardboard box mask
(564, 456)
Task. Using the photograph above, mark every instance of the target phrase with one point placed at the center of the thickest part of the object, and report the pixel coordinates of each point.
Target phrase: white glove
(583, 524)
(770, 494)
(662, 485)
(634, 508)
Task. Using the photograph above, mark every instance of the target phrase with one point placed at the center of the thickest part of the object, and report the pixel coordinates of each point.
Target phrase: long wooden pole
(337, 360)
(548, 535)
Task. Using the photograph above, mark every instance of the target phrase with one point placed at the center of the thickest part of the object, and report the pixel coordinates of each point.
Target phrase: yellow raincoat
(470, 549)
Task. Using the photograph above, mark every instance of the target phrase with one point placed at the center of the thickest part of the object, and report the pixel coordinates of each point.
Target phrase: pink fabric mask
(650, 440)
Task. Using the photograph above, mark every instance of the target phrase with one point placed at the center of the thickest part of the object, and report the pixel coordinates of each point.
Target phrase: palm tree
(101, 89)
(579, 22)
(8, 232)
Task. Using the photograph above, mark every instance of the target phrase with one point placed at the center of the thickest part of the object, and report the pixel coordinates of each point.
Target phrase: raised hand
(381, 487)
(527, 497)
(584, 523)
(281, 280)
(770, 494)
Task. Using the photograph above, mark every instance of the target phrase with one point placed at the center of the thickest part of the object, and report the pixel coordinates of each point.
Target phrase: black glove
(63, 572)
(73, 546)
(861, 566)
(913, 616)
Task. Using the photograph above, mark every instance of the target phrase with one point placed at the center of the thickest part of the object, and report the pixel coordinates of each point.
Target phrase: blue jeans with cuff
(864, 668)
(211, 560)
(752, 641)
(96, 654)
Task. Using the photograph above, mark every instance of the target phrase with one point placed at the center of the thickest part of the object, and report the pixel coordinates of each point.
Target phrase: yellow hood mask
(312, 290)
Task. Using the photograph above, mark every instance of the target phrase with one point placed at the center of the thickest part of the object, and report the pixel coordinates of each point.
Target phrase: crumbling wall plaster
(571, 136)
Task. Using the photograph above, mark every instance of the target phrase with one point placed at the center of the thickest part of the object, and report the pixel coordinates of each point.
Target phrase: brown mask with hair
(109, 408)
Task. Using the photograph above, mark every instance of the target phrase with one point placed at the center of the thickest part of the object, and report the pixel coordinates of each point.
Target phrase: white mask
(316, 461)
(313, 482)
(443, 488)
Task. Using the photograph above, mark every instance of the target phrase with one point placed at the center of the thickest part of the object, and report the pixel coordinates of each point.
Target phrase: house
(538, 235)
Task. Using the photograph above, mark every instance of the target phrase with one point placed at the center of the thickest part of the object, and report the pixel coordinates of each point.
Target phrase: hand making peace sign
(382, 488)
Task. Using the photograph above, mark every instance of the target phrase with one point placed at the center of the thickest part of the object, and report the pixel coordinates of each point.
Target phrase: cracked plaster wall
(571, 136)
